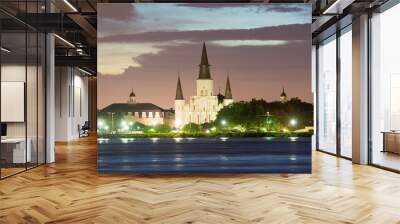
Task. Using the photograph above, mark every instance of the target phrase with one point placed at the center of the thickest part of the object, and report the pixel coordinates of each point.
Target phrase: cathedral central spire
(228, 91)
(204, 72)
(204, 58)
(179, 94)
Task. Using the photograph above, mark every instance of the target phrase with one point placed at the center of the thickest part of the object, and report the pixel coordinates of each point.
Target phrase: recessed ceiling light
(70, 5)
(5, 50)
(64, 40)
(84, 71)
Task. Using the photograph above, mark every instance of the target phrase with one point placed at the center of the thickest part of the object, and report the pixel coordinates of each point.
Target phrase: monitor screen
(3, 129)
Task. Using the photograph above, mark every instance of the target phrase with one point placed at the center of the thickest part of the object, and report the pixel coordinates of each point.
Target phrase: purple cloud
(261, 6)
(284, 32)
(127, 71)
(121, 12)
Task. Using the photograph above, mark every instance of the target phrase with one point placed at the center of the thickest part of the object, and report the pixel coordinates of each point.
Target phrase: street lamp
(100, 124)
(293, 122)
(223, 122)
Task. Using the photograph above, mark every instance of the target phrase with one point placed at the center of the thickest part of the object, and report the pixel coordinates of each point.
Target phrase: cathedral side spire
(179, 94)
(228, 91)
(204, 72)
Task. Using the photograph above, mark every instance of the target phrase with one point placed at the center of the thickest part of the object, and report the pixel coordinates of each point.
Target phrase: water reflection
(293, 139)
(224, 139)
(177, 140)
(155, 139)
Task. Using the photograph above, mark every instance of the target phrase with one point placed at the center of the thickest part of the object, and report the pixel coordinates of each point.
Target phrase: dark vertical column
(1, 53)
(26, 87)
(92, 103)
(316, 97)
(338, 80)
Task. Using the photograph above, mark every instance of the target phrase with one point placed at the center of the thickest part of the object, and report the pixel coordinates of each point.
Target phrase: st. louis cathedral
(204, 107)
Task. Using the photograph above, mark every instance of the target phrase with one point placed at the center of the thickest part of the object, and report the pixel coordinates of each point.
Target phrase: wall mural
(204, 88)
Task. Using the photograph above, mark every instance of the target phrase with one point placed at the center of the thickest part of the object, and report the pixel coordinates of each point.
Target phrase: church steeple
(179, 94)
(132, 98)
(204, 72)
(228, 91)
(283, 95)
(204, 58)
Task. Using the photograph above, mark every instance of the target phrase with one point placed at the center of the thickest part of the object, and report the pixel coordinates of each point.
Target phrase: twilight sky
(143, 46)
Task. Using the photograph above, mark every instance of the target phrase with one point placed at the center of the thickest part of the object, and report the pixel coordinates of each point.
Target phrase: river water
(204, 155)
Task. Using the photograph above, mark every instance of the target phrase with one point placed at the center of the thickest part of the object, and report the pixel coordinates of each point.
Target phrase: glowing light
(207, 131)
(100, 123)
(123, 123)
(224, 139)
(223, 122)
(177, 123)
(130, 123)
(285, 130)
(213, 129)
(106, 127)
(293, 122)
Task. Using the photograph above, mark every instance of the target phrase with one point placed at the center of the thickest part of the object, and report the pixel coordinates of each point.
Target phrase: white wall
(71, 103)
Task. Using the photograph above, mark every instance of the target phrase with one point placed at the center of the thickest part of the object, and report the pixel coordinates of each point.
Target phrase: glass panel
(23, 90)
(31, 98)
(346, 94)
(327, 96)
(41, 98)
(385, 89)
(13, 87)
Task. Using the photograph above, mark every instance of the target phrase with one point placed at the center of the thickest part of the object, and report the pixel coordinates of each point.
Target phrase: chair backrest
(86, 125)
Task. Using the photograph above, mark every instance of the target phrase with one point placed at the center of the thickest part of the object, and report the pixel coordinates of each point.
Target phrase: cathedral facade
(204, 107)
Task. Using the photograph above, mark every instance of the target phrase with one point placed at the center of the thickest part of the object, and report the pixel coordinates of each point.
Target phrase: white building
(203, 107)
(148, 114)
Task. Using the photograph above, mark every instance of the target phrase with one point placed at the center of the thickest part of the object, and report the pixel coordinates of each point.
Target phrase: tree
(258, 115)
(191, 128)
(162, 128)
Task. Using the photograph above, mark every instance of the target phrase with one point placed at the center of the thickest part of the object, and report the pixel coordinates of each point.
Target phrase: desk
(13, 150)
(391, 141)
